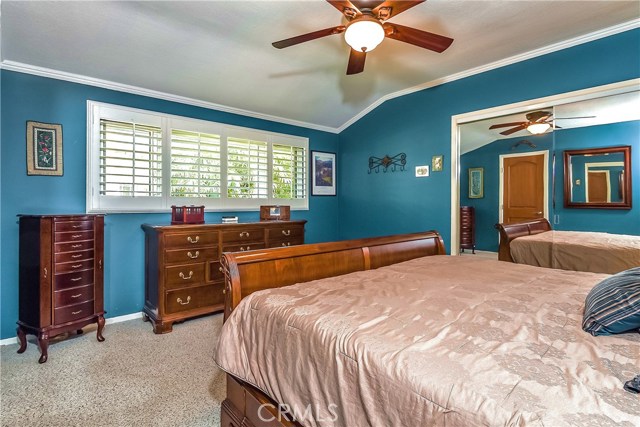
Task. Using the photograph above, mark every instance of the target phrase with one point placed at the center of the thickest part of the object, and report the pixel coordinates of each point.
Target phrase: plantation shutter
(195, 164)
(288, 172)
(246, 168)
(130, 159)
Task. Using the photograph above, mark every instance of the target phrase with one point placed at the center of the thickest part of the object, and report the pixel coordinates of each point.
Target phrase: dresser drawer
(285, 232)
(291, 241)
(72, 280)
(190, 255)
(74, 256)
(73, 225)
(190, 240)
(73, 236)
(73, 312)
(184, 275)
(215, 272)
(249, 246)
(192, 298)
(241, 235)
(67, 267)
(73, 246)
(73, 296)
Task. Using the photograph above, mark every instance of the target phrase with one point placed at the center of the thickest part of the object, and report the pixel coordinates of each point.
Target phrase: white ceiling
(220, 51)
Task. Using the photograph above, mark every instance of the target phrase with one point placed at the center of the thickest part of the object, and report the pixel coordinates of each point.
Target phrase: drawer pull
(76, 256)
(75, 236)
(286, 244)
(248, 248)
(192, 256)
(182, 276)
(76, 312)
(76, 266)
(75, 279)
(76, 226)
(244, 234)
(286, 232)
(197, 239)
(45, 272)
(76, 296)
(220, 269)
(76, 246)
(184, 303)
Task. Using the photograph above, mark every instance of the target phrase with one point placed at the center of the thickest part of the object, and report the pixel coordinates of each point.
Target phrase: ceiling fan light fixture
(364, 34)
(538, 128)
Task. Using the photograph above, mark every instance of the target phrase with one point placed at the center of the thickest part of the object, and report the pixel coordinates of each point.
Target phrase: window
(142, 161)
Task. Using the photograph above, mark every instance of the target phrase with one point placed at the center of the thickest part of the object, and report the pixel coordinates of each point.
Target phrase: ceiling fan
(538, 122)
(367, 27)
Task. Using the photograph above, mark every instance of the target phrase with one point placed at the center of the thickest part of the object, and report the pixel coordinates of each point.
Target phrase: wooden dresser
(467, 228)
(183, 277)
(61, 276)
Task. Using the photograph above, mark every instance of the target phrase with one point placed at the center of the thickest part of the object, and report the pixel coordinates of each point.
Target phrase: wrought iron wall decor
(398, 161)
(523, 142)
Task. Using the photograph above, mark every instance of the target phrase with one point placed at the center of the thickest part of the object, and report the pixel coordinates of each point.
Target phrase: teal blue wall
(26, 97)
(419, 124)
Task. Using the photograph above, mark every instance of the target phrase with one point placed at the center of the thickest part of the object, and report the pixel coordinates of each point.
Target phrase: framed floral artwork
(44, 149)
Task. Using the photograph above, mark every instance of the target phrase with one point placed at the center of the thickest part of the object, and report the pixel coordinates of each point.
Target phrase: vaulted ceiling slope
(220, 51)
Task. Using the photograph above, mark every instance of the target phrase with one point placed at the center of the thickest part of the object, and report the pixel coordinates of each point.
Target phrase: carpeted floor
(134, 378)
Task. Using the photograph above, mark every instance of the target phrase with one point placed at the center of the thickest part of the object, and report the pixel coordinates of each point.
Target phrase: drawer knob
(248, 248)
(286, 244)
(76, 256)
(76, 236)
(182, 276)
(286, 232)
(192, 256)
(191, 240)
(220, 269)
(184, 303)
(76, 296)
(76, 266)
(244, 234)
(76, 312)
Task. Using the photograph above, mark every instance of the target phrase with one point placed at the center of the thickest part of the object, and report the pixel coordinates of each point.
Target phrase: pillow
(613, 305)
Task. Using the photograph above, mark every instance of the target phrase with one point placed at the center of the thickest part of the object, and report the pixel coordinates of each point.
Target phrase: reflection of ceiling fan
(366, 28)
(537, 122)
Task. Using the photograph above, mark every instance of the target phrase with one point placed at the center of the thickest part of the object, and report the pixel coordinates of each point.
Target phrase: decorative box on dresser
(467, 228)
(183, 278)
(61, 276)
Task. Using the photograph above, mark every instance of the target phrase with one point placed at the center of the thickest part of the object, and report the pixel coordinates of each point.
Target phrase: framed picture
(422, 171)
(44, 149)
(323, 173)
(476, 183)
(437, 163)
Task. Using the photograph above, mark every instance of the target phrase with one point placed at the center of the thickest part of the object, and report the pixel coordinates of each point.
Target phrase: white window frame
(96, 203)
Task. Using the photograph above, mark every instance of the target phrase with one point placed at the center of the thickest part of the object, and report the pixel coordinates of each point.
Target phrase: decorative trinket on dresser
(275, 213)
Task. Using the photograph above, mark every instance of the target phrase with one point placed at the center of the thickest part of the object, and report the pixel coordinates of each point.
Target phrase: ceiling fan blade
(308, 37)
(345, 7)
(576, 117)
(506, 125)
(417, 37)
(514, 130)
(557, 127)
(356, 62)
(390, 8)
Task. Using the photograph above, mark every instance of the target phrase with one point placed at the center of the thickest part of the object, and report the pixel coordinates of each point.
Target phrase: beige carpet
(134, 378)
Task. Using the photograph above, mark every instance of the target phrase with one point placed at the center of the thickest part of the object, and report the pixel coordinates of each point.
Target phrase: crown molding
(136, 90)
(616, 29)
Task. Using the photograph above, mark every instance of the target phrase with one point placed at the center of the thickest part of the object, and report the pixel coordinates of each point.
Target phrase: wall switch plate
(556, 219)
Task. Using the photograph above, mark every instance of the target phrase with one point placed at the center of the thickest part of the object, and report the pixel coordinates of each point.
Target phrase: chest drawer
(277, 233)
(73, 296)
(73, 225)
(190, 240)
(184, 275)
(182, 256)
(74, 266)
(71, 280)
(73, 312)
(249, 246)
(73, 236)
(192, 298)
(73, 246)
(243, 235)
(74, 256)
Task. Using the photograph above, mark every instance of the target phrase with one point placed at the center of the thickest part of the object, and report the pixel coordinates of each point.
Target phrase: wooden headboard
(508, 232)
(248, 272)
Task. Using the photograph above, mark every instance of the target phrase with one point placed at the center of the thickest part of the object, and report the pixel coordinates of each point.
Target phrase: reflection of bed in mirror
(535, 243)
(417, 339)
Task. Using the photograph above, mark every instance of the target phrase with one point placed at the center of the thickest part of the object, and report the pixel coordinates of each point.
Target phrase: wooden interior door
(598, 188)
(523, 188)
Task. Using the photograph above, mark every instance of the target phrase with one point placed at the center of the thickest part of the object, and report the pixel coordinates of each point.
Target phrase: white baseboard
(108, 321)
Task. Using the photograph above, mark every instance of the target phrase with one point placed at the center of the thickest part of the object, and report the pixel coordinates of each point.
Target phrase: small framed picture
(44, 149)
(323, 173)
(476, 183)
(437, 163)
(422, 171)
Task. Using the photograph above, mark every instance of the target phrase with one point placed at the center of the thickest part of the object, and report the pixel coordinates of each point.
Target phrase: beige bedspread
(436, 341)
(578, 251)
